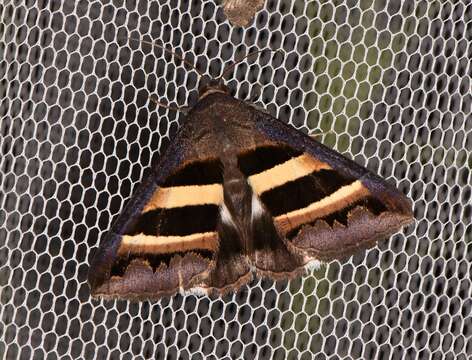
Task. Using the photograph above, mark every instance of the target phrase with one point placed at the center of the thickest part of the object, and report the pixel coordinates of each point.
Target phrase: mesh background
(387, 83)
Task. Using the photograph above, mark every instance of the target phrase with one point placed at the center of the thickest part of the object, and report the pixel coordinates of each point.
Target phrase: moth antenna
(175, 108)
(174, 54)
(229, 68)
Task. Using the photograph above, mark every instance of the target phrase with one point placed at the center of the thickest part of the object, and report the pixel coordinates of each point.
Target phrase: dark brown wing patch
(139, 279)
(271, 255)
(325, 242)
(196, 173)
(304, 194)
(290, 181)
(263, 158)
(329, 205)
(171, 243)
(231, 268)
(358, 207)
(176, 221)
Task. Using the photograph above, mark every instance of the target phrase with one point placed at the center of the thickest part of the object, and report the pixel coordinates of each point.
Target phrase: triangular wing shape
(166, 238)
(325, 205)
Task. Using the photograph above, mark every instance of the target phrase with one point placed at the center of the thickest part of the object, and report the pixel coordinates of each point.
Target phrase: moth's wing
(240, 12)
(324, 205)
(231, 269)
(271, 255)
(166, 237)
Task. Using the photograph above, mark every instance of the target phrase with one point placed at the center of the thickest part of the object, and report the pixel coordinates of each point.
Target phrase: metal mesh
(388, 83)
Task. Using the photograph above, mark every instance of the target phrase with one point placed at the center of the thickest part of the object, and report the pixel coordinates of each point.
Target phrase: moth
(240, 12)
(237, 193)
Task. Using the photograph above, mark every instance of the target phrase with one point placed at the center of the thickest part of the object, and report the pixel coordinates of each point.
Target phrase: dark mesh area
(388, 83)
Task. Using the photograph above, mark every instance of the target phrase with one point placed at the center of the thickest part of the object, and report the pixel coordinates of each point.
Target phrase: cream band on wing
(179, 196)
(338, 200)
(149, 244)
(290, 170)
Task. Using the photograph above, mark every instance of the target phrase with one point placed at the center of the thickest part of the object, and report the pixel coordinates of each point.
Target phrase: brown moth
(239, 192)
(241, 12)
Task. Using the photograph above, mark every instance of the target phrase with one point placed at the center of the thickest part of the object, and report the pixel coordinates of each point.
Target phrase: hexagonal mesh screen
(387, 83)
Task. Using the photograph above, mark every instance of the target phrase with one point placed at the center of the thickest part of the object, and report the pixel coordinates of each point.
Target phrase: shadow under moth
(241, 12)
(238, 192)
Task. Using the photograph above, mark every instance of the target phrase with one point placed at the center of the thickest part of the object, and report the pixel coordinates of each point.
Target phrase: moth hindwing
(239, 192)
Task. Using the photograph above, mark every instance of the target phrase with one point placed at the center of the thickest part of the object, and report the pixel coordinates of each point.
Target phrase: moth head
(210, 86)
